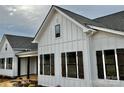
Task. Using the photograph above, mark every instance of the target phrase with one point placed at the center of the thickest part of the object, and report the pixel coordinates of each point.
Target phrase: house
(18, 56)
(76, 51)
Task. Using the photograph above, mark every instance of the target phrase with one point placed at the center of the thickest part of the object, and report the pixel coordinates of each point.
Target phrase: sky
(26, 20)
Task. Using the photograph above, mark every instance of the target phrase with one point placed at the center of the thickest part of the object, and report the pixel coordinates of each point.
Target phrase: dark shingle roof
(113, 21)
(79, 18)
(21, 42)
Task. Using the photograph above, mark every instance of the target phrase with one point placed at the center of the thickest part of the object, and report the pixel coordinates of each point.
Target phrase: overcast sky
(25, 20)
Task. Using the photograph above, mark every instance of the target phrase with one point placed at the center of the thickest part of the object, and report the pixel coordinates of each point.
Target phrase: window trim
(4, 63)
(43, 73)
(66, 76)
(116, 63)
(57, 31)
(8, 60)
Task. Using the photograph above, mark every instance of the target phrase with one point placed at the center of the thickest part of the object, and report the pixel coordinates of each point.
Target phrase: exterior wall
(5, 54)
(24, 66)
(104, 41)
(72, 39)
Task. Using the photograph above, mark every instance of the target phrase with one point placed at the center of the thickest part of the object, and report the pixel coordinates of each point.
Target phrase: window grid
(46, 64)
(77, 69)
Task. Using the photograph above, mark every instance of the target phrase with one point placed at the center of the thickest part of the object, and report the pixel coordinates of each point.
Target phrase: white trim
(43, 62)
(50, 64)
(66, 64)
(77, 65)
(107, 30)
(103, 58)
(116, 61)
(5, 63)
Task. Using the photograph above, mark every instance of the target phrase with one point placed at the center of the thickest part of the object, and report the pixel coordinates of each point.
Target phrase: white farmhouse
(77, 51)
(18, 56)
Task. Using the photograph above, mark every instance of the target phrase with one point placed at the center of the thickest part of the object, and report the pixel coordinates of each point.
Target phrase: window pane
(120, 55)
(41, 64)
(2, 63)
(110, 64)
(99, 64)
(47, 64)
(80, 64)
(57, 30)
(63, 65)
(71, 63)
(52, 64)
(9, 63)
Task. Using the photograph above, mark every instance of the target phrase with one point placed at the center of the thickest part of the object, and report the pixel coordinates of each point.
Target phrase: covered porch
(27, 63)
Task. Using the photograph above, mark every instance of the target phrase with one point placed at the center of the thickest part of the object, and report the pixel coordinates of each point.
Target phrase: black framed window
(80, 64)
(9, 63)
(46, 64)
(63, 65)
(57, 30)
(2, 63)
(6, 47)
(52, 65)
(69, 59)
(71, 64)
(120, 57)
(99, 59)
(110, 64)
(41, 64)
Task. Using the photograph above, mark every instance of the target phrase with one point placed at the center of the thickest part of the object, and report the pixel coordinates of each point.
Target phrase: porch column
(19, 68)
(28, 67)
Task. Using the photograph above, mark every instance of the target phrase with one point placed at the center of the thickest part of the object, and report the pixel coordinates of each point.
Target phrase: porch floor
(6, 82)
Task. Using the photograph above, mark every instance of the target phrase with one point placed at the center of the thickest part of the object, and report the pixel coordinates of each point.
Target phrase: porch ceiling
(27, 54)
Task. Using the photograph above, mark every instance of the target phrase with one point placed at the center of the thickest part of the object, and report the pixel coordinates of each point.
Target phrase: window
(47, 64)
(110, 64)
(99, 65)
(41, 64)
(57, 30)
(69, 59)
(52, 64)
(80, 64)
(63, 65)
(2, 63)
(9, 63)
(120, 55)
(71, 63)
(6, 47)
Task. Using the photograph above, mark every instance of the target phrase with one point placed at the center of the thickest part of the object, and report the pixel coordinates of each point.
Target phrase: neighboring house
(18, 56)
(77, 51)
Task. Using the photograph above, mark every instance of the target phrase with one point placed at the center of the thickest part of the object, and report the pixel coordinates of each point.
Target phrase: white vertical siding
(72, 39)
(6, 54)
(105, 41)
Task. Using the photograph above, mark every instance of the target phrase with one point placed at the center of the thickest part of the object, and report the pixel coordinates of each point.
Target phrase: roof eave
(106, 30)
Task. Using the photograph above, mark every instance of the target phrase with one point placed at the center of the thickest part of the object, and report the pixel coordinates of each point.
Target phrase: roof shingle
(113, 21)
(21, 42)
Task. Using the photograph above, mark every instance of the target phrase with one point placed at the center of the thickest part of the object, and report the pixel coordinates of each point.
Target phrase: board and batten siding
(104, 41)
(6, 54)
(72, 39)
